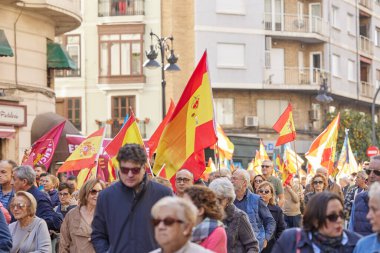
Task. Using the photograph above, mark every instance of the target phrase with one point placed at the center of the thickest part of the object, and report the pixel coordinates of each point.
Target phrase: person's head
(224, 191)
(64, 193)
(62, 177)
(303, 181)
(257, 180)
(267, 168)
(48, 181)
(40, 169)
(173, 219)
(23, 178)
(344, 181)
(373, 170)
(6, 167)
(266, 192)
(73, 181)
(318, 183)
(353, 176)
(361, 179)
(162, 181)
(23, 205)
(222, 172)
(324, 213)
(374, 207)
(183, 179)
(365, 165)
(240, 180)
(132, 159)
(206, 202)
(89, 192)
(322, 171)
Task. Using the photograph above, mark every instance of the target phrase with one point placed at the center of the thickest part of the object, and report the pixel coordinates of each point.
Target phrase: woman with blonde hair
(76, 227)
(29, 233)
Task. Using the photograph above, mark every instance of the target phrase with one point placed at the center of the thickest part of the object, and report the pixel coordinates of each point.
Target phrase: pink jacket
(6, 213)
(217, 241)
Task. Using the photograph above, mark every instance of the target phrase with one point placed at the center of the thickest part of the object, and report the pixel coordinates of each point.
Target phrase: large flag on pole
(43, 149)
(347, 163)
(322, 151)
(86, 154)
(285, 127)
(224, 145)
(292, 160)
(191, 127)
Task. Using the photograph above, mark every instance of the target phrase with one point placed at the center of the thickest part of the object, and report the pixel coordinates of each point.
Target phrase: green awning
(5, 48)
(58, 58)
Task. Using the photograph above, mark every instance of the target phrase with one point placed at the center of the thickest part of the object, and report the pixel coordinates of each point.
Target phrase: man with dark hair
(72, 180)
(122, 216)
(39, 169)
(6, 189)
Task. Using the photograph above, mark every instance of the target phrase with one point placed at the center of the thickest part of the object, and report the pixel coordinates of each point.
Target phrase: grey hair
(362, 174)
(223, 172)
(191, 173)
(25, 172)
(223, 188)
(245, 175)
(376, 157)
(374, 192)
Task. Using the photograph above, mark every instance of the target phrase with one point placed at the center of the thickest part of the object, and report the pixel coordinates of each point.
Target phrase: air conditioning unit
(313, 115)
(251, 121)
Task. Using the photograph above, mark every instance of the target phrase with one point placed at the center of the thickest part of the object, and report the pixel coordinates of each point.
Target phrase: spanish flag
(86, 154)
(191, 127)
(285, 127)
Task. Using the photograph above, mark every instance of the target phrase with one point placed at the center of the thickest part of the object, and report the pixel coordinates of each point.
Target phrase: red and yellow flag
(224, 145)
(285, 127)
(191, 127)
(85, 155)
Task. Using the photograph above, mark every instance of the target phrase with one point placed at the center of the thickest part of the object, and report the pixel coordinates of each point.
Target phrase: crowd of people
(234, 211)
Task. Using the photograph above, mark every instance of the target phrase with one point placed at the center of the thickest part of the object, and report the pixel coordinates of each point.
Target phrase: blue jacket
(53, 194)
(45, 209)
(368, 244)
(5, 235)
(359, 222)
(122, 221)
(288, 242)
(261, 219)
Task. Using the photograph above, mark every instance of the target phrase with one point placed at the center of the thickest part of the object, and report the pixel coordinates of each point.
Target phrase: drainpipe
(15, 42)
(357, 49)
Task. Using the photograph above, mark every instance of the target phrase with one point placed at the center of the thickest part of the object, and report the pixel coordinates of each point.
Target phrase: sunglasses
(376, 172)
(93, 192)
(265, 192)
(167, 221)
(182, 179)
(334, 217)
(265, 166)
(318, 182)
(18, 205)
(126, 170)
(258, 181)
(63, 194)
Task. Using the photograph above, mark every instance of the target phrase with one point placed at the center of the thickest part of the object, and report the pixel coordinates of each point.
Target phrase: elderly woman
(173, 219)
(322, 229)
(209, 231)
(257, 180)
(29, 233)
(240, 235)
(371, 243)
(50, 185)
(267, 193)
(318, 184)
(76, 227)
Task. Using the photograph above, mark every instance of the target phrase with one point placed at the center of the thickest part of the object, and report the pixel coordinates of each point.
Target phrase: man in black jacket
(122, 221)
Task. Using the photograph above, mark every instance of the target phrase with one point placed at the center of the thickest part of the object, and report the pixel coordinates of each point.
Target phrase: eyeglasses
(167, 221)
(126, 170)
(93, 192)
(265, 192)
(376, 172)
(265, 166)
(318, 182)
(18, 205)
(334, 217)
(259, 181)
(182, 179)
(63, 194)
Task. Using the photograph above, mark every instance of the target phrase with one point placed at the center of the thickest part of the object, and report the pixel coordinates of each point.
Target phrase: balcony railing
(366, 3)
(295, 23)
(366, 89)
(120, 7)
(293, 76)
(366, 45)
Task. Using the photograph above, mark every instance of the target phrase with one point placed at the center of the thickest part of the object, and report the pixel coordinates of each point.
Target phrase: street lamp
(162, 45)
(374, 142)
(323, 96)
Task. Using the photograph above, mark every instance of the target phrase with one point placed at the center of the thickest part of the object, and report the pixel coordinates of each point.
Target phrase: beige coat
(75, 234)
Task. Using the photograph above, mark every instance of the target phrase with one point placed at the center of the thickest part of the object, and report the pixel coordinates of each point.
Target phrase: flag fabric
(86, 154)
(293, 161)
(347, 163)
(155, 138)
(43, 149)
(262, 152)
(285, 127)
(224, 145)
(257, 163)
(210, 166)
(322, 150)
(196, 163)
(191, 127)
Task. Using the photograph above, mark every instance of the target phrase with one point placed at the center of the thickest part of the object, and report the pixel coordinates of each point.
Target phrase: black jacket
(278, 216)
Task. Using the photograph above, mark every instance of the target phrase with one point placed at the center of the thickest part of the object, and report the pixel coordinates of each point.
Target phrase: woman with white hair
(240, 235)
(371, 243)
(29, 233)
(173, 219)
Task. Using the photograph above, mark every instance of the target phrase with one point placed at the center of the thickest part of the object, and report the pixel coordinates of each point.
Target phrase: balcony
(293, 76)
(366, 3)
(108, 8)
(366, 45)
(293, 23)
(366, 89)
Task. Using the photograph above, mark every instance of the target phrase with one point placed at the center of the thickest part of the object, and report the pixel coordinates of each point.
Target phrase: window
(120, 7)
(335, 69)
(120, 106)
(230, 7)
(224, 110)
(351, 70)
(72, 44)
(335, 16)
(300, 10)
(120, 51)
(351, 24)
(70, 108)
(231, 55)
(377, 36)
(269, 111)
